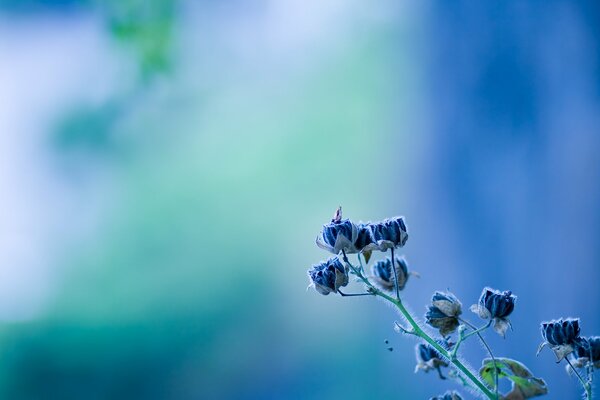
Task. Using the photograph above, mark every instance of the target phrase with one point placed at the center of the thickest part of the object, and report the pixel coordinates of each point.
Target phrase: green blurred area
(193, 285)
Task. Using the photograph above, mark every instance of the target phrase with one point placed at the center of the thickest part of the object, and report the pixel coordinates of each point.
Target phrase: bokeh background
(166, 165)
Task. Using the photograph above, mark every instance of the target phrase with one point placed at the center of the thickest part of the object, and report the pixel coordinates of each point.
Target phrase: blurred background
(166, 165)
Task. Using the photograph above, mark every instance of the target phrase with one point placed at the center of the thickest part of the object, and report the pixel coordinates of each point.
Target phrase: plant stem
(422, 334)
(586, 386)
(419, 332)
(395, 276)
(489, 350)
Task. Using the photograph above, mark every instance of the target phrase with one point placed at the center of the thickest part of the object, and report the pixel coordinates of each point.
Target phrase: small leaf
(524, 384)
(367, 255)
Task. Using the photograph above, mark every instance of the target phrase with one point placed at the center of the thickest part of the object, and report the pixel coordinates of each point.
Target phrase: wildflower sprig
(389, 276)
(563, 336)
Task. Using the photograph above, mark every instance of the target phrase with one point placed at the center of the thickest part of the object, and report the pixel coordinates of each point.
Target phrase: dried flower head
(383, 276)
(443, 312)
(497, 306)
(587, 351)
(328, 276)
(428, 358)
(561, 335)
(389, 233)
(449, 395)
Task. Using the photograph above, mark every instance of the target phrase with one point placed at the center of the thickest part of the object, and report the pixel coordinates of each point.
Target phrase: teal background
(165, 167)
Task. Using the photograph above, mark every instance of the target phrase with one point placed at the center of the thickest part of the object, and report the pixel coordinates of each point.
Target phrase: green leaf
(524, 384)
(367, 255)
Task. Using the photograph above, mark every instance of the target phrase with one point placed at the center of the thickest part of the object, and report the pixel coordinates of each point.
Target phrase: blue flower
(443, 312)
(328, 276)
(389, 233)
(496, 305)
(562, 336)
(383, 275)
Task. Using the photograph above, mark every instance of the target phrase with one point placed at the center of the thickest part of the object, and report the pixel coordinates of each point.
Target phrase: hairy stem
(418, 331)
(586, 386)
(395, 276)
(422, 334)
(489, 350)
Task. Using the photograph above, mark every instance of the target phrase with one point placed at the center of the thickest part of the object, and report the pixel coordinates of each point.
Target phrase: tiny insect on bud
(328, 276)
(561, 335)
(497, 306)
(443, 312)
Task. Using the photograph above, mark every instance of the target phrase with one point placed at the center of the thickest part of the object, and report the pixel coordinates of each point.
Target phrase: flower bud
(561, 335)
(364, 238)
(389, 233)
(588, 351)
(443, 313)
(497, 306)
(328, 276)
(383, 276)
(338, 235)
(428, 358)
(449, 395)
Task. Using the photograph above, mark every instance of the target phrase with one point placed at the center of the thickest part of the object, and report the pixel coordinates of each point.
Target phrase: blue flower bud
(389, 233)
(383, 276)
(428, 358)
(364, 238)
(337, 236)
(562, 331)
(449, 395)
(561, 335)
(328, 276)
(588, 351)
(496, 305)
(443, 313)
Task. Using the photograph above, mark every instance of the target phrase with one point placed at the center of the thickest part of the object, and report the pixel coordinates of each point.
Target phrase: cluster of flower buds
(344, 235)
(449, 395)
(497, 306)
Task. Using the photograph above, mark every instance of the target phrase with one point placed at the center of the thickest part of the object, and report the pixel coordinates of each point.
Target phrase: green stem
(419, 332)
(489, 350)
(422, 334)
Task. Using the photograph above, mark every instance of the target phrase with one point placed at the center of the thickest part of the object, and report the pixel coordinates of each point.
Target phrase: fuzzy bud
(561, 335)
(443, 312)
(389, 233)
(383, 276)
(328, 276)
(496, 305)
(428, 358)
